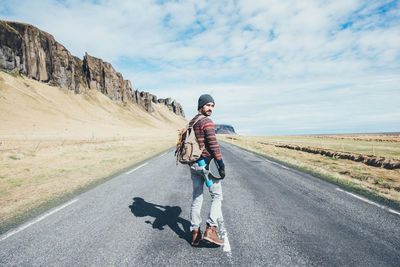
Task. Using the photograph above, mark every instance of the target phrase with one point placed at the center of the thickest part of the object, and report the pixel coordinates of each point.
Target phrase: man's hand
(222, 172)
(221, 168)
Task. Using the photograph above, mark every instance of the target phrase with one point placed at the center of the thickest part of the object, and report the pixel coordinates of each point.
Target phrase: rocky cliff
(224, 129)
(36, 54)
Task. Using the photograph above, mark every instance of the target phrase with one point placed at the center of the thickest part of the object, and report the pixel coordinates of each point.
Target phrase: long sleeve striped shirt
(205, 134)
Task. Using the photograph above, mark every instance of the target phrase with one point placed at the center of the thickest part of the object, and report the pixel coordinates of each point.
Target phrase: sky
(273, 67)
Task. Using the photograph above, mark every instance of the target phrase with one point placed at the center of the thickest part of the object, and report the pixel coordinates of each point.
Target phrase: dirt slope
(30, 109)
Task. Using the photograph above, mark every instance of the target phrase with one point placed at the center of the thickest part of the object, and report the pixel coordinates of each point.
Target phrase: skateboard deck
(213, 168)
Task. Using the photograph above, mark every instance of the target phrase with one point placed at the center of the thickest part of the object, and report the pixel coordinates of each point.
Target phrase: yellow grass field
(54, 142)
(376, 180)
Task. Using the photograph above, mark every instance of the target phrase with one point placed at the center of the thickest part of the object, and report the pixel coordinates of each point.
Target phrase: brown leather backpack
(188, 149)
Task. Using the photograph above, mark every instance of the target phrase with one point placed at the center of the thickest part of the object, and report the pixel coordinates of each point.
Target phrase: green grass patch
(387, 186)
(40, 176)
(15, 183)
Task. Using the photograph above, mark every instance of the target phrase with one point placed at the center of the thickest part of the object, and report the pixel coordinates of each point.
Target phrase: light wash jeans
(216, 198)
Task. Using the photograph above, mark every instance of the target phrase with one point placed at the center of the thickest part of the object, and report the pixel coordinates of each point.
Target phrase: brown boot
(211, 235)
(197, 236)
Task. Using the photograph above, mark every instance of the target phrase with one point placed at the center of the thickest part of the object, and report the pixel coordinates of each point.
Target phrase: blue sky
(273, 67)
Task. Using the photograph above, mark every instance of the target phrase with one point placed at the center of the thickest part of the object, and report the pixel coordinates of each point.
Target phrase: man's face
(206, 110)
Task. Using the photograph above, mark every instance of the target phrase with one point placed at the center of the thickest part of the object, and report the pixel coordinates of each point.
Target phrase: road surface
(273, 215)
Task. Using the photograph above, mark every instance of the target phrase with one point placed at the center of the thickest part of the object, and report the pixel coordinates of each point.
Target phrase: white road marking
(227, 245)
(224, 234)
(360, 198)
(369, 201)
(393, 211)
(137, 168)
(280, 165)
(23, 227)
(163, 154)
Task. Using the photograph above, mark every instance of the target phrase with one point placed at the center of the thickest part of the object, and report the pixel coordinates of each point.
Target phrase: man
(205, 134)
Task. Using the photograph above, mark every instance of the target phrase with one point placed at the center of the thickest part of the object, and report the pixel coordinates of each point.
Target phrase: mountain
(29, 51)
(224, 129)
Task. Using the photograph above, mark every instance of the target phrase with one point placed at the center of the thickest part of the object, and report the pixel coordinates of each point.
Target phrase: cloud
(276, 67)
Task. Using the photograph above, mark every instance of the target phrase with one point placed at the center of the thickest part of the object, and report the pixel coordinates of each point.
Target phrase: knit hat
(204, 99)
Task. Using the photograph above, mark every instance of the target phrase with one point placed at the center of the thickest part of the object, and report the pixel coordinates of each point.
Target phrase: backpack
(188, 149)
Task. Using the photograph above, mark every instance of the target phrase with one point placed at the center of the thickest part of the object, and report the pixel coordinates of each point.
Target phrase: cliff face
(101, 76)
(37, 55)
(224, 129)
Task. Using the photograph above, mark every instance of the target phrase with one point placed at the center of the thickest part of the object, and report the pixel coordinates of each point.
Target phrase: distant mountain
(224, 129)
(29, 51)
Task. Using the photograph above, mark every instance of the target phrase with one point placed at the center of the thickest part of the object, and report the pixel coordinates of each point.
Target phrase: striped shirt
(205, 134)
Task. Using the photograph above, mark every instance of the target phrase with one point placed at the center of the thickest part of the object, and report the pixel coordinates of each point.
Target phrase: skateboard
(213, 170)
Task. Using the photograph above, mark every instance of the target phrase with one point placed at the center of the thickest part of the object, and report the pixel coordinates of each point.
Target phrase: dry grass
(53, 142)
(29, 178)
(363, 144)
(385, 183)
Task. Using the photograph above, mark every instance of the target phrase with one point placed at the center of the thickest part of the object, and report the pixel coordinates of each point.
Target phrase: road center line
(224, 236)
(23, 227)
(137, 168)
(369, 201)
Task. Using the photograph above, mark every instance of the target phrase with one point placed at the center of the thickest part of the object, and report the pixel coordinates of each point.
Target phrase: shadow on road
(164, 216)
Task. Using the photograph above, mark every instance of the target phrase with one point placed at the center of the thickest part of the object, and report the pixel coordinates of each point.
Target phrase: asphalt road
(273, 215)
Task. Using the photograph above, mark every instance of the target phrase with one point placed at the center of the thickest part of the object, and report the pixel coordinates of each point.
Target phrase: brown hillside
(53, 142)
(31, 110)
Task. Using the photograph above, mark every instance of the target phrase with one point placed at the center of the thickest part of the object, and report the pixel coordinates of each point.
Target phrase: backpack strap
(197, 120)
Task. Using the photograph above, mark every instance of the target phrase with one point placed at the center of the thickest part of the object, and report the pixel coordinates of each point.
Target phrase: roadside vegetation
(377, 181)
(36, 175)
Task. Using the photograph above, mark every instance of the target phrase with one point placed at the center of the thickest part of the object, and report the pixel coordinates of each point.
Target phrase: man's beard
(205, 112)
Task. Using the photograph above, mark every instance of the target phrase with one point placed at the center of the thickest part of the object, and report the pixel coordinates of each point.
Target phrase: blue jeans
(216, 198)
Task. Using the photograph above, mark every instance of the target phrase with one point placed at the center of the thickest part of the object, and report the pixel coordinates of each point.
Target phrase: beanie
(204, 99)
